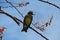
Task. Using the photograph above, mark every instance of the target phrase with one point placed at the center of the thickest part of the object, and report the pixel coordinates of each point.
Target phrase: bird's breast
(27, 21)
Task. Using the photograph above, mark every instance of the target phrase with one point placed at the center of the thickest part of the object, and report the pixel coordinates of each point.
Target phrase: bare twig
(50, 3)
(8, 6)
(14, 18)
(14, 7)
(11, 2)
(50, 20)
(39, 33)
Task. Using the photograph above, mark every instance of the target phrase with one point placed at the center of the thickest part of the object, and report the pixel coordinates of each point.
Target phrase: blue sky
(43, 12)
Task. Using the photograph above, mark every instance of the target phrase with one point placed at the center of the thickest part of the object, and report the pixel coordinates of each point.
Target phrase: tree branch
(22, 23)
(50, 3)
(14, 18)
(39, 33)
(14, 7)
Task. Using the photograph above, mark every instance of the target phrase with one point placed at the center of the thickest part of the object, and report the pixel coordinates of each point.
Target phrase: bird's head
(30, 13)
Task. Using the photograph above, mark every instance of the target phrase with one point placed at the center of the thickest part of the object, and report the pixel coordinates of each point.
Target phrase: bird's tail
(24, 29)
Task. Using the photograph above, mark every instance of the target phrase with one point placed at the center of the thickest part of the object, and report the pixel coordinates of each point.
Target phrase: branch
(22, 23)
(39, 33)
(14, 7)
(14, 18)
(8, 6)
(50, 3)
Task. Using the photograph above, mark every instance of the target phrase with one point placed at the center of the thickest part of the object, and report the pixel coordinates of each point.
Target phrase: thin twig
(14, 7)
(22, 23)
(50, 3)
(5, 2)
(8, 6)
(38, 33)
(14, 18)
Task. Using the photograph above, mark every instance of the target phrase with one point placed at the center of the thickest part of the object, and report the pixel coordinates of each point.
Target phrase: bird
(27, 21)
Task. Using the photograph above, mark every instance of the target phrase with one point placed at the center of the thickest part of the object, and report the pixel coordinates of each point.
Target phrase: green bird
(27, 21)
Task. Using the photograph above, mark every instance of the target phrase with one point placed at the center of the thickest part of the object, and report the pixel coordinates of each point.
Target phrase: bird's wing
(27, 20)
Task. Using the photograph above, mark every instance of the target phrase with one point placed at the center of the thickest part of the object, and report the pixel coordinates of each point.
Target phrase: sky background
(42, 13)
